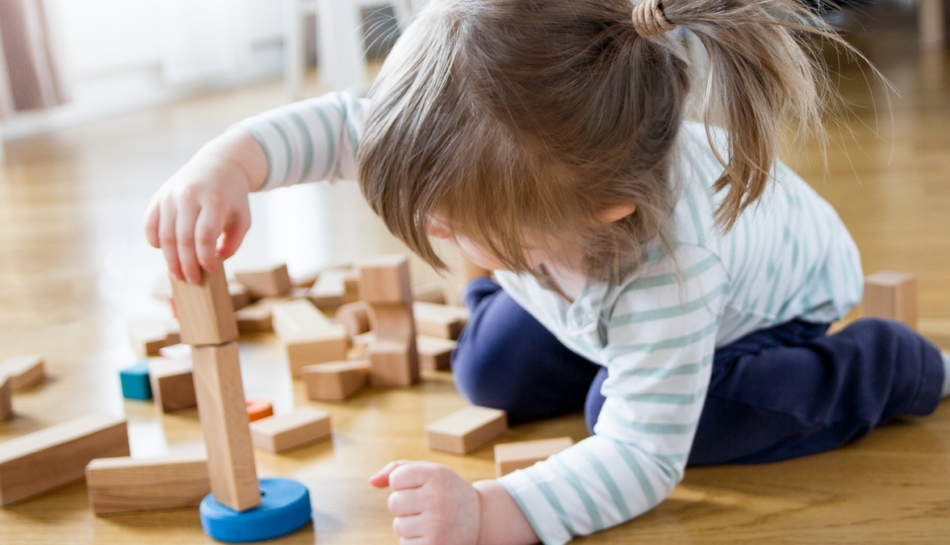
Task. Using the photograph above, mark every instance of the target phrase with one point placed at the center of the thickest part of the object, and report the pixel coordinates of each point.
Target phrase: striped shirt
(788, 257)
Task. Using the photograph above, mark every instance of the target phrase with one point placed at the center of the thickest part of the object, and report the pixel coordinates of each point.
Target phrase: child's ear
(615, 212)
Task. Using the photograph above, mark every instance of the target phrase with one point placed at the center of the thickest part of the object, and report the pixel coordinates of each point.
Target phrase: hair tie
(649, 21)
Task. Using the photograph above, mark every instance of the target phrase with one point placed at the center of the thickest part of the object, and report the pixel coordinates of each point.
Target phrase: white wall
(111, 54)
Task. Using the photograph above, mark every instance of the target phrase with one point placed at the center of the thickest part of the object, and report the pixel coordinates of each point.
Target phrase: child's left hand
(431, 503)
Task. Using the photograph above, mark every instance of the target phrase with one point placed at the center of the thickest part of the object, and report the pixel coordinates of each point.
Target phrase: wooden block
(393, 363)
(258, 316)
(148, 335)
(135, 382)
(354, 317)
(180, 352)
(205, 310)
(466, 430)
(269, 281)
(891, 295)
(39, 462)
(305, 351)
(334, 381)
(173, 385)
(309, 336)
(442, 321)
(434, 353)
(329, 290)
(258, 409)
(361, 344)
(385, 280)
(298, 318)
(428, 293)
(510, 457)
(224, 424)
(122, 485)
(286, 431)
(24, 371)
(240, 297)
(6, 397)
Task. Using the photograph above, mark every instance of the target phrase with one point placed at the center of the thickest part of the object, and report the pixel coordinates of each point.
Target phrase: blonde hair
(514, 117)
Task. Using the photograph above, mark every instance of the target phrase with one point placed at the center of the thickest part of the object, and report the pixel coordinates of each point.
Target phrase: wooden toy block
(309, 336)
(393, 363)
(466, 430)
(435, 354)
(122, 485)
(385, 280)
(39, 462)
(180, 352)
(334, 381)
(205, 310)
(286, 431)
(354, 317)
(891, 295)
(240, 297)
(428, 293)
(224, 424)
(135, 382)
(361, 344)
(305, 351)
(268, 281)
(258, 316)
(6, 397)
(24, 371)
(299, 318)
(510, 457)
(329, 290)
(258, 409)
(148, 335)
(442, 321)
(173, 385)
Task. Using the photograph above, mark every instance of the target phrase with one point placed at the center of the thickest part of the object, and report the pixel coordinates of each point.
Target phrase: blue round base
(285, 507)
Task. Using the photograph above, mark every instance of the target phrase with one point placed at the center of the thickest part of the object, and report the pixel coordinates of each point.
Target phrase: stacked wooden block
(385, 286)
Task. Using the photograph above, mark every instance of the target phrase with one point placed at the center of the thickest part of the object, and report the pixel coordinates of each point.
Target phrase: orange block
(259, 408)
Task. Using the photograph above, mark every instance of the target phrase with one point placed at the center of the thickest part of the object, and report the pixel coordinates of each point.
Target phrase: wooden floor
(75, 268)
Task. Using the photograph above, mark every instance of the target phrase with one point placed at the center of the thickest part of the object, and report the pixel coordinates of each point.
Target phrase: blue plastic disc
(284, 508)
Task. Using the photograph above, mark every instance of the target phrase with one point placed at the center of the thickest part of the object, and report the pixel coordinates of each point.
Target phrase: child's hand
(202, 211)
(431, 503)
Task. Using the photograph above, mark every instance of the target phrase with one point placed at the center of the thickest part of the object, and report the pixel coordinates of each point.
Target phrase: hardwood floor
(75, 268)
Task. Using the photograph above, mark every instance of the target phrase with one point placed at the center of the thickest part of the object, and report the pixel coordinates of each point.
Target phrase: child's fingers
(167, 239)
(208, 228)
(410, 475)
(404, 503)
(151, 223)
(185, 233)
(381, 478)
(410, 527)
(234, 232)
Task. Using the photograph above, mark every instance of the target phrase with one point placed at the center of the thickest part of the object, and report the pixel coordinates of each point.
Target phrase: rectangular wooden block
(258, 316)
(224, 425)
(121, 485)
(334, 381)
(434, 353)
(268, 281)
(329, 290)
(891, 295)
(305, 351)
(466, 430)
(442, 321)
(173, 385)
(510, 457)
(286, 431)
(354, 317)
(393, 363)
(39, 462)
(240, 297)
(24, 371)
(297, 318)
(385, 280)
(148, 335)
(6, 397)
(205, 311)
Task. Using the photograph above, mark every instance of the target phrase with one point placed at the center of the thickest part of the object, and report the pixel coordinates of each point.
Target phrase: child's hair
(513, 118)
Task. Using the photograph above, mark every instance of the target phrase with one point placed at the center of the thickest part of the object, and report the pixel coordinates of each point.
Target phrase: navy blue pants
(775, 394)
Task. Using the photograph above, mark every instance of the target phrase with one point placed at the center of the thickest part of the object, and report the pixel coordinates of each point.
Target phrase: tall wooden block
(385, 280)
(466, 430)
(121, 485)
(24, 371)
(173, 385)
(286, 431)
(148, 335)
(39, 462)
(393, 357)
(267, 281)
(510, 457)
(435, 354)
(442, 321)
(205, 310)
(334, 381)
(223, 414)
(891, 295)
(6, 397)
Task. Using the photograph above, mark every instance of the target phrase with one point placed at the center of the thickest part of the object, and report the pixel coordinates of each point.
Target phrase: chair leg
(341, 44)
(931, 24)
(293, 11)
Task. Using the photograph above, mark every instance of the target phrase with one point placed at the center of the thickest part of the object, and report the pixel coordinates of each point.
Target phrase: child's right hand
(202, 212)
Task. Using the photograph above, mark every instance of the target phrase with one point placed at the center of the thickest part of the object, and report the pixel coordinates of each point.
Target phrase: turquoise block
(135, 381)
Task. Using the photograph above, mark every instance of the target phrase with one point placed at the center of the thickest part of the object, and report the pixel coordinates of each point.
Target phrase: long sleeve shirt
(788, 257)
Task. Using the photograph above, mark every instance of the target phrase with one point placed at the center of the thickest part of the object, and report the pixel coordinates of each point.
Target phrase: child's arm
(433, 505)
(205, 199)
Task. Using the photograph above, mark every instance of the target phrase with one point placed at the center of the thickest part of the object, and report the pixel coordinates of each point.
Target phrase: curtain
(29, 75)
